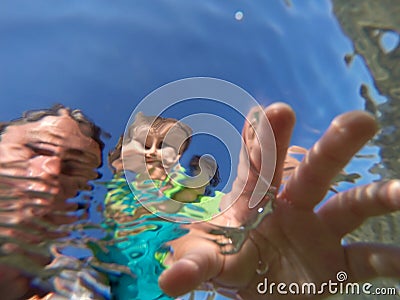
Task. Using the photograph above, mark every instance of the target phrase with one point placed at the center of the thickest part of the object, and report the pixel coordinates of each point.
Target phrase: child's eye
(167, 147)
(160, 145)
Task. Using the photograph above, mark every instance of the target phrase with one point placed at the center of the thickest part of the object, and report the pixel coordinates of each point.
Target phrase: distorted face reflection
(53, 152)
(155, 147)
(158, 154)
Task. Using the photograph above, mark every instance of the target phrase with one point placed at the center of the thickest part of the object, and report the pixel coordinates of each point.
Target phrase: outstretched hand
(294, 243)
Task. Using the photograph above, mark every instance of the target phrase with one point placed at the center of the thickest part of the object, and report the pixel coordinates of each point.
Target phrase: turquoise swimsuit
(137, 238)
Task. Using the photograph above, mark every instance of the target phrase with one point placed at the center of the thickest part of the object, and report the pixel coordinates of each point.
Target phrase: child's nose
(152, 150)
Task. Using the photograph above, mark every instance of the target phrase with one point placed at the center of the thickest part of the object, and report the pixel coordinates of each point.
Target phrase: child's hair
(194, 169)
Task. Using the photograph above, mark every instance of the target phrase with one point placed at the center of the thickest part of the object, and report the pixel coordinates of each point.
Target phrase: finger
(368, 261)
(281, 118)
(312, 179)
(353, 207)
(194, 266)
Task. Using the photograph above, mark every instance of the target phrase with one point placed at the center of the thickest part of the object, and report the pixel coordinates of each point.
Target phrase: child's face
(154, 147)
(154, 152)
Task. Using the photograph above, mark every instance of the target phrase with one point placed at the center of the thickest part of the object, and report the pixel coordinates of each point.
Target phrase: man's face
(53, 156)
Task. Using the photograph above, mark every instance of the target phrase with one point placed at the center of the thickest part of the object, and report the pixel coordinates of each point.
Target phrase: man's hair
(35, 115)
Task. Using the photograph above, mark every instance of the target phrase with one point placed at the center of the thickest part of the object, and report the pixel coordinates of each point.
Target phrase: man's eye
(68, 168)
(72, 167)
(37, 150)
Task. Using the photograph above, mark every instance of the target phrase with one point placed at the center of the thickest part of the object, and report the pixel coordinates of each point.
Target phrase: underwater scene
(200, 149)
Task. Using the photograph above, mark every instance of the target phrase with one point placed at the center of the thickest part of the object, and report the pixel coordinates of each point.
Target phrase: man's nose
(43, 166)
(45, 170)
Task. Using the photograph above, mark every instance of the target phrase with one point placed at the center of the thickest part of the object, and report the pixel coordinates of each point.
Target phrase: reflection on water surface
(137, 237)
(374, 28)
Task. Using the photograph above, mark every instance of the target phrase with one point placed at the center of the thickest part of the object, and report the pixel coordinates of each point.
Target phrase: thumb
(199, 264)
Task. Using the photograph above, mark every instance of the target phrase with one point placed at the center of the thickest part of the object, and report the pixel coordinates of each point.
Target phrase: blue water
(104, 57)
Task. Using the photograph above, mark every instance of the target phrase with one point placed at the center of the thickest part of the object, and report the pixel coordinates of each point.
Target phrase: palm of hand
(296, 243)
(294, 246)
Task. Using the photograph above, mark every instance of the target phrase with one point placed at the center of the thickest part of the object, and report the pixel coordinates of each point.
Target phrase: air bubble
(239, 15)
(389, 41)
